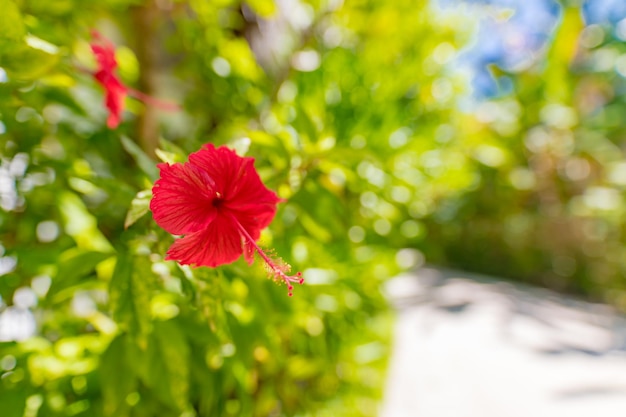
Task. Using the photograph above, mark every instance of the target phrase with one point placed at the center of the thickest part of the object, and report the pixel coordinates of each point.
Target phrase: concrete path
(470, 346)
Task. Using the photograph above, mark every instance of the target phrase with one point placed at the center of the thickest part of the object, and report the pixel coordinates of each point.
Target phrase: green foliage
(120, 331)
(547, 202)
(350, 112)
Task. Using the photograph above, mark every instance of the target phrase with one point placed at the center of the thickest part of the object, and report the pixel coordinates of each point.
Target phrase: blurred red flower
(115, 91)
(218, 202)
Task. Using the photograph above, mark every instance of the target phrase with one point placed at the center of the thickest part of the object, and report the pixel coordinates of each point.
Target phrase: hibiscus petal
(105, 56)
(253, 215)
(182, 199)
(251, 202)
(244, 193)
(114, 102)
(220, 243)
(224, 165)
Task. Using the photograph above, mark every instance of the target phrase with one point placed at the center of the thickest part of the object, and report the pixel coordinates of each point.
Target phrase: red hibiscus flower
(116, 92)
(218, 202)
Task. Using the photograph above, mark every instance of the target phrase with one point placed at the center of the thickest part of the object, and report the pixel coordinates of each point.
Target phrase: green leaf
(61, 95)
(80, 224)
(51, 8)
(130, 290)
(145, 163)
(13, 394)
(29, 58)
(163, 366)
(314, 228)
(117, 377)
(13, 29)
(174, 153)
(165, 156)
(26, 63)
(171, 378)
(73, 265)
(138, 207)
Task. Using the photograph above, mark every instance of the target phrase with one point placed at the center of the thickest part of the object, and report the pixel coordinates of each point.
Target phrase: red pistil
(279, 271)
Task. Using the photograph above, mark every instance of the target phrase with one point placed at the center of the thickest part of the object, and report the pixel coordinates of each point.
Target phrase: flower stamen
(277, 269)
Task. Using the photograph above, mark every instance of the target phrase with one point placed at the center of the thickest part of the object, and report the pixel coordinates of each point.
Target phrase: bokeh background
(485, 135)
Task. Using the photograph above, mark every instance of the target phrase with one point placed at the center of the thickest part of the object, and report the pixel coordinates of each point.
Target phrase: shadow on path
(469, 345)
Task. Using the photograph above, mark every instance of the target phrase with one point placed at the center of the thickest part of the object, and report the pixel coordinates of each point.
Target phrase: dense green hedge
(119, 330)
